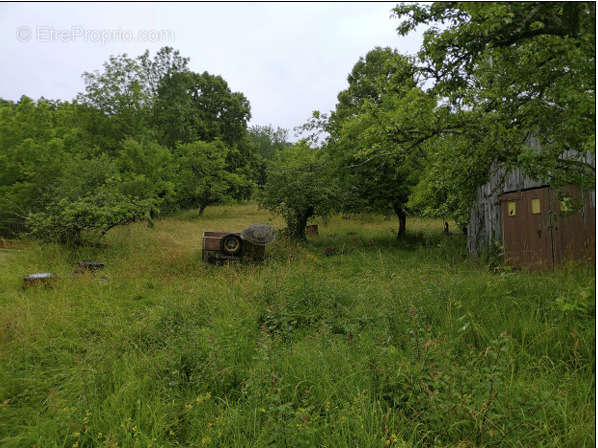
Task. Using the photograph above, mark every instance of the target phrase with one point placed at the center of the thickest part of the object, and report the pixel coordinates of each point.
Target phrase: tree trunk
(298, 232)
(402, 220)
(446, 228)
(202, 207)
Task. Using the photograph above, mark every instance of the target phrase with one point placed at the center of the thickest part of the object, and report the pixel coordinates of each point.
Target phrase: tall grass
(386, 343)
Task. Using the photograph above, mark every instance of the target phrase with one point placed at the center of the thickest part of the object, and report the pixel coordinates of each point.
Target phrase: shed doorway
(542, 227)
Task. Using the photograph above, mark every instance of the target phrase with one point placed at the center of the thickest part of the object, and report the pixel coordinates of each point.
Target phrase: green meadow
(386, 343)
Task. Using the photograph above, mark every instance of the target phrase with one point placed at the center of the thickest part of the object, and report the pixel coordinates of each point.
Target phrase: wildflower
(75, 445)
(262, 410)
(188, 406)
(76, 434)
(171, 432)
(99, 435)
(205, 441)
(393, 438)
(203, 397)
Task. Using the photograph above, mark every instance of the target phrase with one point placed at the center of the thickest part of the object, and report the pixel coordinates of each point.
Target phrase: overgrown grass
(385, 343)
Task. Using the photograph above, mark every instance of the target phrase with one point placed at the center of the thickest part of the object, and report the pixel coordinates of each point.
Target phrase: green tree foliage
(266, 142)
(86, 199)
(120, 100)
(299, 186)
(446, 189)
(147, 171)
(73, 221)
(315, 131)
(376, 131)
(192, 106)
(72, 171)
(519, 82)
(32, 155)
(56, 186)
(201, 107)
(203, 177)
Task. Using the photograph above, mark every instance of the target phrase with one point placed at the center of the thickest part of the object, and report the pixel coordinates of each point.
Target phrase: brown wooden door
(527, 235)
(574, 225)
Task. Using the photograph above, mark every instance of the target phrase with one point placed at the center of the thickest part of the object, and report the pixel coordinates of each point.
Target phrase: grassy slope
(388, 344)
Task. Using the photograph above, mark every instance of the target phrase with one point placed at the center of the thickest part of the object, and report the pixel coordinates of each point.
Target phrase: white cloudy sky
(287, 58)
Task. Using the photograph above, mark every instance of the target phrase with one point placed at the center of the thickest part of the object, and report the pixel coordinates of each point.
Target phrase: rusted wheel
(231, 244)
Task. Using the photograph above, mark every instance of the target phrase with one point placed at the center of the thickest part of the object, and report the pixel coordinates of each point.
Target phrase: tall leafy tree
(147, 171)
(203, 177)
(376, 131)
(299, 186)
(192, 106)
(35, 140)
(267, 142)
(119, 101)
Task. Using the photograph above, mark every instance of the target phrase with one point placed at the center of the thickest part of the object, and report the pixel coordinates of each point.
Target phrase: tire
(231, 244)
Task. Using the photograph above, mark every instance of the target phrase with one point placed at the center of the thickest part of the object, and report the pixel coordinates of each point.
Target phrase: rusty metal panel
(211, 243)
(574, 231)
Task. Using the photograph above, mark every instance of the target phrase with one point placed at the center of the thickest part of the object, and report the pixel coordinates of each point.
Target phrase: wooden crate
(212, 252)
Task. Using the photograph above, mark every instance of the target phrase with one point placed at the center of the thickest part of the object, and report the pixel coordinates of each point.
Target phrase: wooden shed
(537, 225)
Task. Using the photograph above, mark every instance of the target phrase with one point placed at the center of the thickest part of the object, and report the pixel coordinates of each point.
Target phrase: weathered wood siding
(485, 222)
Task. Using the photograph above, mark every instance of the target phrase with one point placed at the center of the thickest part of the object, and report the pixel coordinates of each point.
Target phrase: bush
(66, 221)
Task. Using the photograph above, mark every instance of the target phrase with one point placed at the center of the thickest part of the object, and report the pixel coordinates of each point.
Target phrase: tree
(266, 143)
(519, 77)
(381, 72)
(147, 172)
(130, 82)
(35, 139)
(71, 171)
(85, 202)
(192, 106)
(202, 177)
(315, 131)
(448, 182)
(119, 101)
(376, 131)
(90, 216)
(299, 186)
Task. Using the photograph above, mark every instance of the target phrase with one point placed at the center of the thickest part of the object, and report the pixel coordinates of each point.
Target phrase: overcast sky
(288, 58)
